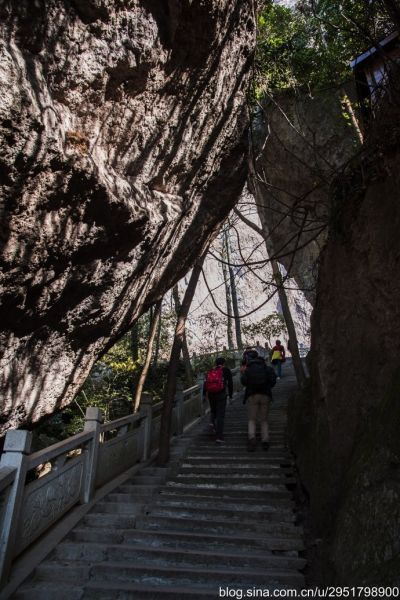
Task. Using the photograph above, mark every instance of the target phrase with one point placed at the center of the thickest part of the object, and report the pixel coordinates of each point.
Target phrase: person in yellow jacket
(278, 357)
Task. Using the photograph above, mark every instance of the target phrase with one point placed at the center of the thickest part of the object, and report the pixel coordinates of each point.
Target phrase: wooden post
(17, 446)
(93, 420)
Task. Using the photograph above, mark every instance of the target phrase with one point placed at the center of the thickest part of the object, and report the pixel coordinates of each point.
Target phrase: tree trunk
(158, 342)
(229, 309)
(349, 108)
(287, 315)
(170, 387)
(185, 349)
(149, 349)
(135, 341)
(238, 328)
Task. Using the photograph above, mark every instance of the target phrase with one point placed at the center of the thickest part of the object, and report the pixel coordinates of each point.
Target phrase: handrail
(111, 425)
(46, 454)
(190, 390)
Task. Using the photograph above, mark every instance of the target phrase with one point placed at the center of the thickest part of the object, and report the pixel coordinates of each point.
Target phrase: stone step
(116, 521)
(144, 490)
(122, 591)
(239, 438)
(181, 523)
(48, 590)
(97, 552)
(124, 504)
(251, 479)
(128, 572)
(107, 591)
(256, 459)
(215, 452)
(231, 507)
(270, 504)
(160, 471)
(209, 514)
(236, 446)
(188, 540)
(228, 487)
(149, 480)
(228, 492)
(243, 467)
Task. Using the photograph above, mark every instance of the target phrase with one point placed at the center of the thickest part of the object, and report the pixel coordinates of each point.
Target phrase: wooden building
(372, 71)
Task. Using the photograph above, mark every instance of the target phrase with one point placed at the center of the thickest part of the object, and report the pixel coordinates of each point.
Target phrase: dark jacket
(265, 389)
(228, 389)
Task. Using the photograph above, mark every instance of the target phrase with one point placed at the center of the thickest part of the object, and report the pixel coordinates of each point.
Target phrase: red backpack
(215, 380)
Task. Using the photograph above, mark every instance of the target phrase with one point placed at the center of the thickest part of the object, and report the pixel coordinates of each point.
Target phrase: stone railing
(72, 470)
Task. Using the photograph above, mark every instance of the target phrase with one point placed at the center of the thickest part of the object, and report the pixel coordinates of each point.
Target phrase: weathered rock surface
(122, 130)
(345, 431)
(299, 145)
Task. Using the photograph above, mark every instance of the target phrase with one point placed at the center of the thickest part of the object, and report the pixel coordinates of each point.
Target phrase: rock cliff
(345, 427)
(300, 143)
(123, 135)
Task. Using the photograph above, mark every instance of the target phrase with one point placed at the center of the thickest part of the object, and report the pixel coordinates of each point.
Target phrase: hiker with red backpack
(218, 385)
(258, 379)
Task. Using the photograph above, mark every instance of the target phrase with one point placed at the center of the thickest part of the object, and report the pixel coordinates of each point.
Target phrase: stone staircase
(217, 517)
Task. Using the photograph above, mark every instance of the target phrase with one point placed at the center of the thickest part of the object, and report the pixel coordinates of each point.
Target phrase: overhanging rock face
(122, 129)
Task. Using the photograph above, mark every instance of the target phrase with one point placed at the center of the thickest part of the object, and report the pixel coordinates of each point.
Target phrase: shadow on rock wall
(345, 429)
(123, 136)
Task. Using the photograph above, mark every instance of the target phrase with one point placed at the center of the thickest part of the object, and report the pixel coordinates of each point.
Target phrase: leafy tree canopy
(268, 329)
(310, 44)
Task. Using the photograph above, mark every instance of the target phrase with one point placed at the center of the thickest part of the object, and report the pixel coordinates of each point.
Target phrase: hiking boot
(211, 427)
(265, 445)
(251, 445)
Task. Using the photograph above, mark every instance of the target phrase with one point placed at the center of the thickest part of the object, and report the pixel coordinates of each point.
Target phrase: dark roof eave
(363, 57)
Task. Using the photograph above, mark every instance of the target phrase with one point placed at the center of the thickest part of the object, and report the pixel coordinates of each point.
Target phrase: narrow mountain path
(217, 519)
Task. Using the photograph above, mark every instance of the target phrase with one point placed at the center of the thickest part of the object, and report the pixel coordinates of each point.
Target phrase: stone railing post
(17, 446)
(93, 421)
(179, 408)
(146, 407)
(202, 404)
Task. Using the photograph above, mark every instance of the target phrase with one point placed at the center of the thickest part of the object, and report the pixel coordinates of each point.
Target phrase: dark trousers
(217, 406)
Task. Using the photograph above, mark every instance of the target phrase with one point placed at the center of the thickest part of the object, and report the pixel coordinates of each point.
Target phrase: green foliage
(267, 329)
(110, 386)
(309, 46)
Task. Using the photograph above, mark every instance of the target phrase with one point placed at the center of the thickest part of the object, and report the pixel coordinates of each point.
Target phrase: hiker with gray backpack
(258, 379)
